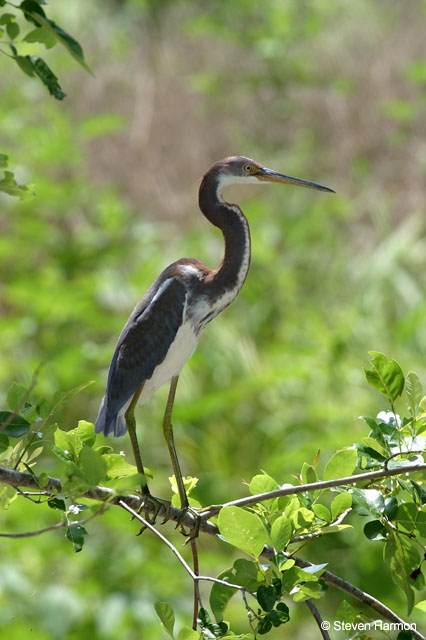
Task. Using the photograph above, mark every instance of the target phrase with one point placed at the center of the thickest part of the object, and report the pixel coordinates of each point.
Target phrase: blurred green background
(333, 92)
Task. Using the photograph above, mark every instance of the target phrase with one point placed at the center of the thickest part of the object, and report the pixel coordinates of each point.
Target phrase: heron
(162, 332)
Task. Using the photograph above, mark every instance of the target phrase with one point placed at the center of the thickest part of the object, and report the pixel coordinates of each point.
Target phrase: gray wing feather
(143, 344)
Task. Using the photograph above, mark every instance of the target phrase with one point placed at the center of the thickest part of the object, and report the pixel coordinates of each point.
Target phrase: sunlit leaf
(385, 375)
(243, 529)
(341, 503)
(341, 464)
(414, 391)
(9, 185)
(281, 531)
(166, 615)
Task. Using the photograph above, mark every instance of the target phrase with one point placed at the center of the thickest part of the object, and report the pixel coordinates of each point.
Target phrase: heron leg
(129, 416)
(168, 434)
(131, 428)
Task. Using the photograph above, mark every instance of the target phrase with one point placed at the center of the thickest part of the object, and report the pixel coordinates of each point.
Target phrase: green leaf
(308, 474)
(246, 572)
(414, 391)
(40, 34)
(166, 615)
(375, 530)
(43, 409)
(372, 443)
(243, 529)
(302, 518)
(262, 483)
(12, 30)
(322, 512)
(117, 467)
(281, 531)
(367, 502)
(308, 590)
(266, 597)
(385, 375)
(25, 64)
(341, 464)
(391, 507)
(188, 634)
(421, 493)
(220, 595)
(4, 442)
(30, 7)
(421, 605)
(68, 443)
(15, 396)
(76, 536)
(47, 76)
(346, 612)
(3, 161)
(9, 185)
(57, 503)
(411, 519)
(340, 503)
(93, 465)
(7, 18)
(403, 558)
(72, 46)
(17, 426)
(86, 432)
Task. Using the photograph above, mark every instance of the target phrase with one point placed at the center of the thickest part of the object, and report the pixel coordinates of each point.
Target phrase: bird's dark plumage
(142, 345)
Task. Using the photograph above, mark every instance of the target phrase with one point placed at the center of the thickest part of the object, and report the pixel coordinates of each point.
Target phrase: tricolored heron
(163, 330)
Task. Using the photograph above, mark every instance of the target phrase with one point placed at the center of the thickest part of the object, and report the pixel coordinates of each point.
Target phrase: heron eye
(248, 168)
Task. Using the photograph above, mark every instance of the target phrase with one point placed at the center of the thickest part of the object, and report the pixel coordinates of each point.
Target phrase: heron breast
(181, 349)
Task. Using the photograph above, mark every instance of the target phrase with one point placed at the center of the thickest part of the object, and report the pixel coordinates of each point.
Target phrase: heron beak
(268, 175)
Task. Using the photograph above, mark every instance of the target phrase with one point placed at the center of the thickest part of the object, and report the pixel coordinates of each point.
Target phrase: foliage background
(329, 91)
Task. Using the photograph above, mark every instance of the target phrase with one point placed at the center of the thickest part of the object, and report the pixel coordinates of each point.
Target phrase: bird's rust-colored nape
(162, 331)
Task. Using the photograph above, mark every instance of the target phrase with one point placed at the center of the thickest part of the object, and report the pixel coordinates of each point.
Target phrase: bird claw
(152, 517)
(195, 529)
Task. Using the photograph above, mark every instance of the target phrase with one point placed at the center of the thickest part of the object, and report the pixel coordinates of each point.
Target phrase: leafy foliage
(394, 505)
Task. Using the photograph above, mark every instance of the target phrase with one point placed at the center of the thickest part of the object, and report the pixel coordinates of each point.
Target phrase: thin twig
(59, 525)
(318, 619)
(193, 544)
(183, 562)
(401, 453)
(319, 533)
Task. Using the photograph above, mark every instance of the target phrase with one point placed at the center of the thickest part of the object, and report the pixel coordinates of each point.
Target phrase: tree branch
(318, 619)
(18, 478)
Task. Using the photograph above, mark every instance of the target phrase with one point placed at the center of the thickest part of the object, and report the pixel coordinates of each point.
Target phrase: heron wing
(142, 346)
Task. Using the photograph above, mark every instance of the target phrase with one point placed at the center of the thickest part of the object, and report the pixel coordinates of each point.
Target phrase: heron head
(241, 169)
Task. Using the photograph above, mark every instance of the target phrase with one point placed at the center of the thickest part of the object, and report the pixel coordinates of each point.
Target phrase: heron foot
(195, 529)
(157, 503)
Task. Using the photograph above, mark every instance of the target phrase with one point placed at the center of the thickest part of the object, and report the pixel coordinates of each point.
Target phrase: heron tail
(107, 423)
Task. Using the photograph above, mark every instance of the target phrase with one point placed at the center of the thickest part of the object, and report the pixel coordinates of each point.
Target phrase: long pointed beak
(268, 175)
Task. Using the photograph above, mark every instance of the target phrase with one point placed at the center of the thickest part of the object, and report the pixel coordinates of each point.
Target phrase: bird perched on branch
(163, 330)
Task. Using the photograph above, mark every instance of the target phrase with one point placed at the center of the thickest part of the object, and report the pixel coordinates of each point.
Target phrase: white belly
(180, 351)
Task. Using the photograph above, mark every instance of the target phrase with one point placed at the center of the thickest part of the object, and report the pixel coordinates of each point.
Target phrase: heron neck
(229, 218)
